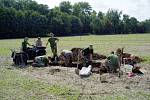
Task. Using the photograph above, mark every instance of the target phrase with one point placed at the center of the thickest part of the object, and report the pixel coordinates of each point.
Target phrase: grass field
(37, 84)
(14, 86)
(135, 43)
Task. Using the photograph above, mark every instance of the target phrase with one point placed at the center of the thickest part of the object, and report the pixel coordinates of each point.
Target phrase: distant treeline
(20, 18)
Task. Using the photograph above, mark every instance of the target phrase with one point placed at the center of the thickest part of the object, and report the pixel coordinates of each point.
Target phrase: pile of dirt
(120, 52)
(76, 54)
(97, 56)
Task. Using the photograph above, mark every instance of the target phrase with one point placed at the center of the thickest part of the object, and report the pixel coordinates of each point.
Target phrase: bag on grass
(85, 71)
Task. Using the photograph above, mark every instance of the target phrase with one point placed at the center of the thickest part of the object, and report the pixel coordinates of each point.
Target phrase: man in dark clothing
(53, 44)
(25, 44)
(29, 51)
(87, 55)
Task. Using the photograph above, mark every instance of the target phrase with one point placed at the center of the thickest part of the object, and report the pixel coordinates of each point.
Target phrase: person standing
(87, 55)
(38, 42)
(53, 44)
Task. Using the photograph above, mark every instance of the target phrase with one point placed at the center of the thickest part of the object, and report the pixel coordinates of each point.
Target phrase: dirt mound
(96, 56)
(121, 53)
(76, 54)
(133, 57)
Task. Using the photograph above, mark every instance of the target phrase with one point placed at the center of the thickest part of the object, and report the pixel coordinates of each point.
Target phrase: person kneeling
(113, 62)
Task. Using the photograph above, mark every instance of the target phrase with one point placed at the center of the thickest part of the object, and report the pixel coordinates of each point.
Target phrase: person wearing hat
(38, 42)
(25, 44)
(53, 44)
(87, 55)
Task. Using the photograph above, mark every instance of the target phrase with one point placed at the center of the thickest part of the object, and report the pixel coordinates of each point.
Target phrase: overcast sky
(136, 8)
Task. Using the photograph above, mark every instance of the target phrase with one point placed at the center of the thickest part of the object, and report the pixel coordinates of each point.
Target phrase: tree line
(20, 18)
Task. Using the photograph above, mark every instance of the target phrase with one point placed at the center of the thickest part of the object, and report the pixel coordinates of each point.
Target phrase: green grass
(14, 86)
(102, 44)
(146, 59)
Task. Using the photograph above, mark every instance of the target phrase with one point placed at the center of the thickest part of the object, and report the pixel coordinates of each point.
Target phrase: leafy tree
(126, 22)
(76, 25)
(114, 17)
(85, 8)
(133, 24)
(100, 15)
(7, 3)
(20, 18)
(147, 25)
(7, 22)
(66, 24)
(65, 7)
(96, 23)
(76, 10)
